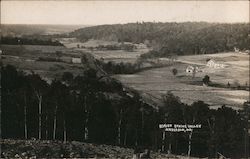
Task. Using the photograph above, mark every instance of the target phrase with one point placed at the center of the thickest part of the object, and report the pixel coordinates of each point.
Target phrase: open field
(26, 57)
(152, 83)
(116, 56)
(236, 67)
(156, 82)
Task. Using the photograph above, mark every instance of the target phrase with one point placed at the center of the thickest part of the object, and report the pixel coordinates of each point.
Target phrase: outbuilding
(76, 60)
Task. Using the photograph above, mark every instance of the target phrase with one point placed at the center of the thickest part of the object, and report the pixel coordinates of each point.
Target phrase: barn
(76, 60)
(212, 64)
(190, 69)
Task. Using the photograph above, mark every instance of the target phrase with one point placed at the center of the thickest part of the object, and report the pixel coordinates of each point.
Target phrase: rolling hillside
(173, 38)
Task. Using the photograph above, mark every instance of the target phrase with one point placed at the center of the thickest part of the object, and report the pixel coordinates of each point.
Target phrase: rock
(17, 156)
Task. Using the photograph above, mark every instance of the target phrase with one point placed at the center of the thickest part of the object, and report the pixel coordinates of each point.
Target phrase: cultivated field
(236, 67)
(152, 83)
(26, 58)
(156, 82)
(116, 56)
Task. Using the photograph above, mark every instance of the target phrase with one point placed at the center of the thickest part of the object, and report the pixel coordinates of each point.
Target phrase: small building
(247, 51)
(236, 49)
(190, 69)
(141, 46)
(212, 64)
(76, 60)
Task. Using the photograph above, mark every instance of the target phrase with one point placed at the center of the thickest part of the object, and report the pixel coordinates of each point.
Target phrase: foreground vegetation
(58, 149)
(98, 110)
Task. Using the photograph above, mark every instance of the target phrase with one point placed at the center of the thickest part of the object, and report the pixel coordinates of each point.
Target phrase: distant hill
(24, 30)
(173, 38)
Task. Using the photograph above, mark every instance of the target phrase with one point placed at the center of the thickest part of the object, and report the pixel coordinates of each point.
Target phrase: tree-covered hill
(177, 38)
(87, 109)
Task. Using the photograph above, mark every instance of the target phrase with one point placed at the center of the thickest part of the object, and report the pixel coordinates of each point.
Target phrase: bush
(206, 80)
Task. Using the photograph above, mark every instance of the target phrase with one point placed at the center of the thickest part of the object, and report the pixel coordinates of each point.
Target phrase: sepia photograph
(152, 79)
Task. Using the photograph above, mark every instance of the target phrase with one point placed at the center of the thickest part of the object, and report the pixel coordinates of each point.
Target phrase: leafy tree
(67, 77)
(39, 87)
(206, 80)
(229, 132)
(174, 71)
(197, 113)
(103, 111)
(178, 38)
(172, 112)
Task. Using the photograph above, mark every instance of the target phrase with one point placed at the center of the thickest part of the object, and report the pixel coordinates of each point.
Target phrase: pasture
(116, 56)
(25, 58)
(154, 83)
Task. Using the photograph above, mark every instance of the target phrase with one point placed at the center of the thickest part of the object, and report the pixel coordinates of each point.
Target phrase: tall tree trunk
(169, 148)
(163, 141)
(190, 143)
(25, 118)
(142, 124)
(136, 137)
(119, 128)
(170, 145)
(125, 137)
(40, 118)
(55, 123)
(64, 132)
(211, 128)
(155, 140)
(46, 131)
(86, 112)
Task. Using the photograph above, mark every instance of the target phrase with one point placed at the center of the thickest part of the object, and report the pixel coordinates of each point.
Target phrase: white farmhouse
(190, 69)
(236, 49)
(212, 64)
(76, 60)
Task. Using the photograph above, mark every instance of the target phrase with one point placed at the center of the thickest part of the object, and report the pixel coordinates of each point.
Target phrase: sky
(113, 12)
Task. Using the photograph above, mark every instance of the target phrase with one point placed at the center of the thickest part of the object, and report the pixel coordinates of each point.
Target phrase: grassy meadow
(156, 82)
(26, 58)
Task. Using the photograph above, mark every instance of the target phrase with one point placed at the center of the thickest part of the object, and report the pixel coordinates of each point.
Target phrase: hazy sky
(108, 12)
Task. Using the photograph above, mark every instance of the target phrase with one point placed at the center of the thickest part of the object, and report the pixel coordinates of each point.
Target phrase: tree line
(28, 41)
(140, 64)
(174, 38)
(86, 108)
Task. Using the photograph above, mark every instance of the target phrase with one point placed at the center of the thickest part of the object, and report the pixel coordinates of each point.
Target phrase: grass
(156, 82)
(26, 57)
(153, 82)
(116, 56)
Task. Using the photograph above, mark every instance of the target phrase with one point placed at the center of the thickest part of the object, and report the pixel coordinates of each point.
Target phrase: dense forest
(28, 41)
(174, 38)
(86, 108)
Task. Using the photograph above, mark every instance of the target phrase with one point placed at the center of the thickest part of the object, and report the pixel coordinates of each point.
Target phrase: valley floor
(155, 82)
